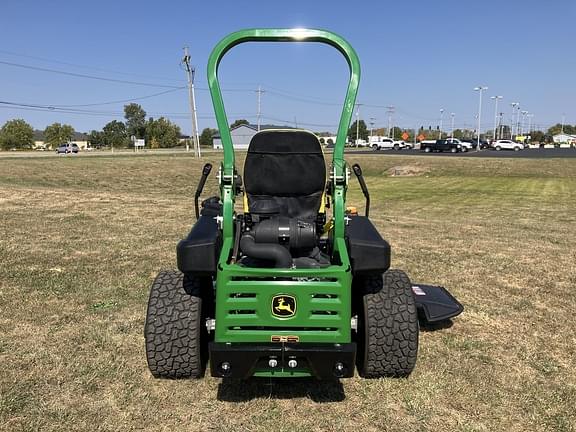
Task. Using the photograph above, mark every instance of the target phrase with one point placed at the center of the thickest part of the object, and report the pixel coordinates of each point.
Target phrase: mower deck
(435, 303)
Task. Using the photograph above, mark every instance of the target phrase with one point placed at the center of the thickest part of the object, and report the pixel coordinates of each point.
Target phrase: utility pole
(562, 126)
(190, 71)
(496, 98)
(452, 125)
(479, 89)
(390, 112)
(259, 114)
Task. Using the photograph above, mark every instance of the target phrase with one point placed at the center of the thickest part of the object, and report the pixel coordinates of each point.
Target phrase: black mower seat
(285, 169)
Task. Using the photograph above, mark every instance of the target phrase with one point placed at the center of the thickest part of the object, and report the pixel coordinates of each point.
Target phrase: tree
(16, 134)
(557, 128)
(396, 133)
(162, 133)
(536, 136)
(96, 139)
(207, 136)
(135, 120)
(57, 134)
(238, 123)
(114, 134)
(362, 132)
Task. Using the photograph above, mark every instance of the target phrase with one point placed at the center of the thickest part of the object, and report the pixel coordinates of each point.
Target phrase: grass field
(82, 238)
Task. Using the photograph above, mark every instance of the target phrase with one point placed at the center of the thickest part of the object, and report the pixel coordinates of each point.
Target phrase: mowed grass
(82, 238)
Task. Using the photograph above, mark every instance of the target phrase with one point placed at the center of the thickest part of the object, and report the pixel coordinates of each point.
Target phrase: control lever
(358, 172)
(205, 173)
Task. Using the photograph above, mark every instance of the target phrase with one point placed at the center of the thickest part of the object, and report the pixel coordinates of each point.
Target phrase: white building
(242, 134)
(564, 138)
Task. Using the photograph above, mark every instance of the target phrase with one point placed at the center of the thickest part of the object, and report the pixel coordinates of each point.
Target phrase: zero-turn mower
(294, 285)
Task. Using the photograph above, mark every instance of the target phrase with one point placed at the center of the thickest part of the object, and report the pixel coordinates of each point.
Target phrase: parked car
(388, 143)
(473, 143)
(464, 145)
(507, 145)
(67, 148)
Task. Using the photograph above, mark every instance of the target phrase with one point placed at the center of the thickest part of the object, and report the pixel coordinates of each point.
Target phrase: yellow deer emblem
(283, 306)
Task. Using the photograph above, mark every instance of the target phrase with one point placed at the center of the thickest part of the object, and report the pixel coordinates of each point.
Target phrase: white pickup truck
(388, 143)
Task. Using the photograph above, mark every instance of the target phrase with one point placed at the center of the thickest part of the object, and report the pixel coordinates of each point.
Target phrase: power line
(44, 59)
(87, 76)
(125, 100)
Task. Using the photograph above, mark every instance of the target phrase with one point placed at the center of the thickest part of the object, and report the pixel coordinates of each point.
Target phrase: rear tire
(498, 148)
(387, 326)
(175, 334)
(426, 149)
(453, 150)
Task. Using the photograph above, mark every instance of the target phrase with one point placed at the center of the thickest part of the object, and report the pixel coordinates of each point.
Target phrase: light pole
(513, 105)
(496, 98)
(530, 125)
(452, 125)
(357, 123)
(522, 123)
(562, 127)
(479, 89)
(441, 117)
(372, 119)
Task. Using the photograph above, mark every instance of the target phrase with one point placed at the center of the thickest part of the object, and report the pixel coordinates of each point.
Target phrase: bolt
(272, 363)
(292, 363)
(339, 369)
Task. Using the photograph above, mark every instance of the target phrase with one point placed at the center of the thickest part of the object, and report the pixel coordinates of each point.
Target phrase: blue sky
(419, 56)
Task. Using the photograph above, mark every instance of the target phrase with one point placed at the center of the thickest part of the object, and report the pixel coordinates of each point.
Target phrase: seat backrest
(285, 167)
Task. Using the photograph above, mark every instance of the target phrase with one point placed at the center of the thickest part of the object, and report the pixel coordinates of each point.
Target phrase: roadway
(537, 153)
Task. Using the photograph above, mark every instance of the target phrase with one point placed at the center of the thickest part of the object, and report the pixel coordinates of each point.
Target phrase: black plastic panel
(319, 359)
(198, 252)
(435, 303)
(368, 251)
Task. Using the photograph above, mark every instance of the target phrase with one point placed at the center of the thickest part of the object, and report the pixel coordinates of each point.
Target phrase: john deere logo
(283, 306)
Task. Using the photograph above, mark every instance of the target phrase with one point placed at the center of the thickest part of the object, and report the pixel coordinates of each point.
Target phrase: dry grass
(82, 238)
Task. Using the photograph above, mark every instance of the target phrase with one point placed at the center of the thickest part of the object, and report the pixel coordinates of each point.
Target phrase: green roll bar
(283, 35)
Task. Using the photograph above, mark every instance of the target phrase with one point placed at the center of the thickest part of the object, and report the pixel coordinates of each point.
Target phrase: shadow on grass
(235, 390)
(425, 326)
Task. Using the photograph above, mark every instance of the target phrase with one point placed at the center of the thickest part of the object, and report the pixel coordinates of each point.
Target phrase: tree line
(162, 133)
(158, 133)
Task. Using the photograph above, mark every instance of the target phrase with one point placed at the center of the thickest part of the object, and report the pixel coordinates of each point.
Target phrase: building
(80, 139)
(564, 138)
(242, 134)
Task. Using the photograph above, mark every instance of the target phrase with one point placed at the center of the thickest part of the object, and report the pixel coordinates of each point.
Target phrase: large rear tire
(387, 326)
(175, 332)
